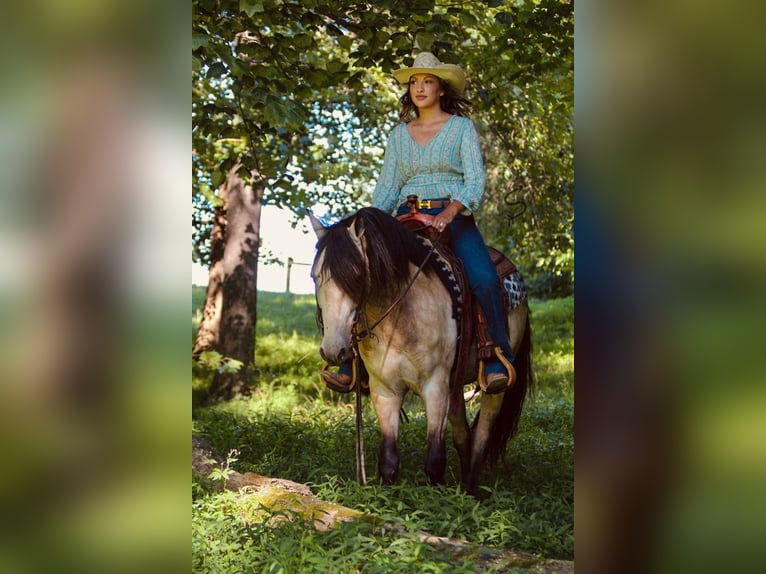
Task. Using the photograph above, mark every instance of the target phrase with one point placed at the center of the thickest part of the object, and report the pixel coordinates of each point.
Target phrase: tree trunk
(229, 316)
(207, 335)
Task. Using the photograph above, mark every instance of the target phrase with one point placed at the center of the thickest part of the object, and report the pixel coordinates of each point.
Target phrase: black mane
(390, 248)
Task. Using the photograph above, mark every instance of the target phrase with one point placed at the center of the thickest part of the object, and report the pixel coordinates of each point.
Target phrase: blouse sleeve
(389, 184)
(473, 169)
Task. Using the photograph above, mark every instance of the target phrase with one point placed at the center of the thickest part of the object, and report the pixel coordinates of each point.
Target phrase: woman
(434, 153)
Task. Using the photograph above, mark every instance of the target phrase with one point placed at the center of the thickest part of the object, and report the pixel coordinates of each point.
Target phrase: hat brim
(449, 72)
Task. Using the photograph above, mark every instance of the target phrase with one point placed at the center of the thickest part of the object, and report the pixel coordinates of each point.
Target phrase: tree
(293, 99)
(230, 301)
(520, 56)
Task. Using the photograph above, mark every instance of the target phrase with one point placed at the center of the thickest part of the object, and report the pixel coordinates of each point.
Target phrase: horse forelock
(389, 249)
(342, 260)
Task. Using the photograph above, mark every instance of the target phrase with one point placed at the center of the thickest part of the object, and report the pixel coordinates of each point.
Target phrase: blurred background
(94, 286)
(671, 246)
(669, 280)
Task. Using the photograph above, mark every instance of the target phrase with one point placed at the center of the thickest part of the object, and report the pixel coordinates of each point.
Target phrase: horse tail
(507, 420)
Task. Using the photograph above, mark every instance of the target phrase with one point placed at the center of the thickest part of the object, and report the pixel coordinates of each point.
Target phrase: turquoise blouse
(449, 165)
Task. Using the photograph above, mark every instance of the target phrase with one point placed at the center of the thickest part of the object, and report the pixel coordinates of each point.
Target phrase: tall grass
(293, 427)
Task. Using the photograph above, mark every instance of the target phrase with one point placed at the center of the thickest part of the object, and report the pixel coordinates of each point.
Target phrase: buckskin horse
(379, 295)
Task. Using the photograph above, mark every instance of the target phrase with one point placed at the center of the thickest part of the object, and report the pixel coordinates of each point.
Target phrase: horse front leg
(461, 433)
(387, 409)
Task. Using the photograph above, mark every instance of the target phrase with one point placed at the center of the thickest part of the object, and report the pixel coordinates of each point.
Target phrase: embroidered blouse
(448, 165)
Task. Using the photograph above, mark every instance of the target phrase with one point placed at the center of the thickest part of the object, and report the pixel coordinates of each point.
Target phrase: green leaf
(335, 66)
(210, 358)
(424, 40)
(400, 41)
(279, 113)
(303, 41)
(273, 111)
(216, 70)
(504, 18)
(199, 40)
(468, 19)
(229, 365)
(310, 173)
(217, 179)
(295, 116)
(250, 7)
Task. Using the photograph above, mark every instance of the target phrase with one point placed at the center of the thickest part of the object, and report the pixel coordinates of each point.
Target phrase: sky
(279, 236)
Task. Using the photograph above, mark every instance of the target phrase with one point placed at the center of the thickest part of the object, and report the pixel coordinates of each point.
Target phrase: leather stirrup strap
(484, 341)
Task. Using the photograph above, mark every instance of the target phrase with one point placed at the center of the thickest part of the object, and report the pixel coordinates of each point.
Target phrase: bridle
(357, 335)
(361, 317)
(367, 331)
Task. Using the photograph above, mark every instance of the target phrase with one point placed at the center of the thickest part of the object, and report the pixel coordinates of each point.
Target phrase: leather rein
(367, 332)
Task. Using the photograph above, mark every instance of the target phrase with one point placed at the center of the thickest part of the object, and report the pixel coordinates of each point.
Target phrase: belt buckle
(426, 204)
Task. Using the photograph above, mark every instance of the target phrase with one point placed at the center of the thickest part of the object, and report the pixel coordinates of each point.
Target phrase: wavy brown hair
(451, 102)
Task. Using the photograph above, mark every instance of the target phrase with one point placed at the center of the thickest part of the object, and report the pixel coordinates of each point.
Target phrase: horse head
(364, 261)
(340, 284)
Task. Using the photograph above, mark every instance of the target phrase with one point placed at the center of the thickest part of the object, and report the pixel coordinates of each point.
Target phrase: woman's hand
(443, 219)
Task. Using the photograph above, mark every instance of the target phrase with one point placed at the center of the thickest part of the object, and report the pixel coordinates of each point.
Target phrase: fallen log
(283, 498)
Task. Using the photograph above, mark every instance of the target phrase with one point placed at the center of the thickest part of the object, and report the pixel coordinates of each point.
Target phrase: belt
(433, 203)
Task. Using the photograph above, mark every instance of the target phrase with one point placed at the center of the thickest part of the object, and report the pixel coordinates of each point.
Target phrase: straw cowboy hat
(427, 63)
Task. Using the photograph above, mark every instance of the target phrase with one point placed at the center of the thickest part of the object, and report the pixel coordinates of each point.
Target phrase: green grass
(294, 428)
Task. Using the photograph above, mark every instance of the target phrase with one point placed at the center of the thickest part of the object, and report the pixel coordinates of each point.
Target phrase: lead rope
(361, 474)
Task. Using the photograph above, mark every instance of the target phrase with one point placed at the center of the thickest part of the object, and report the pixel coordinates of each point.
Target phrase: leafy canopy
(301, 94)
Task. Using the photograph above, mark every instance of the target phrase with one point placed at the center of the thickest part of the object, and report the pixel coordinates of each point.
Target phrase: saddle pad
(509, 274)
(446, 273)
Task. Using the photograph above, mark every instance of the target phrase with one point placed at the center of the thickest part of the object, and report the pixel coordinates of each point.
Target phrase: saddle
(471, 320)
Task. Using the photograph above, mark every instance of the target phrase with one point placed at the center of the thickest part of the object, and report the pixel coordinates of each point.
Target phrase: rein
(368, 329)
(361, 476)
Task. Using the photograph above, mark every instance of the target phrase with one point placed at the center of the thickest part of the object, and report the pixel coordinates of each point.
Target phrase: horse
(375, 297)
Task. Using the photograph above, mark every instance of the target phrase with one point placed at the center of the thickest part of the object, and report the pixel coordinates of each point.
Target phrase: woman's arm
(473, 168)
(469, 196)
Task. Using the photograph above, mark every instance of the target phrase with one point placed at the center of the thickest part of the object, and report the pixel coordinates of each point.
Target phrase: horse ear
(359, 227)
(319, 229)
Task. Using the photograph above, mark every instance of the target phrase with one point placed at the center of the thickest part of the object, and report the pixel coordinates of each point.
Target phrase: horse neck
(407, 300)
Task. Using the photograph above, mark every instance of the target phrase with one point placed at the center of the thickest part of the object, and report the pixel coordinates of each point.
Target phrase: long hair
(451, 102)
(390, 250)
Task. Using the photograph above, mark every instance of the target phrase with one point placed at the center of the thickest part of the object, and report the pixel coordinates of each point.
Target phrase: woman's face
(425, 90)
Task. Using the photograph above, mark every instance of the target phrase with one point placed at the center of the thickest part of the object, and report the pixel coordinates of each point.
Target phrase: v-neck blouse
(448, 165)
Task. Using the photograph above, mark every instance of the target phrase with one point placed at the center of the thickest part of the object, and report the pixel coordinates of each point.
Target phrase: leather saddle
(472, 325)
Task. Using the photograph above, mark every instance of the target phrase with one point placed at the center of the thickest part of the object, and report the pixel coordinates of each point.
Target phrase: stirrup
(497, 384)
(336, 382)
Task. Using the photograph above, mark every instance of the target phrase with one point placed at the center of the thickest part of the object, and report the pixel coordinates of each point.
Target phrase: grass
(294, 428)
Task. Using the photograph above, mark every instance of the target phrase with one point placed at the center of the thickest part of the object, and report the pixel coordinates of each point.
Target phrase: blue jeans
(468, 244)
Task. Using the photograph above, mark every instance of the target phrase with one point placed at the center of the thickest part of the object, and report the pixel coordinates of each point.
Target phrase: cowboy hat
(427, 63)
